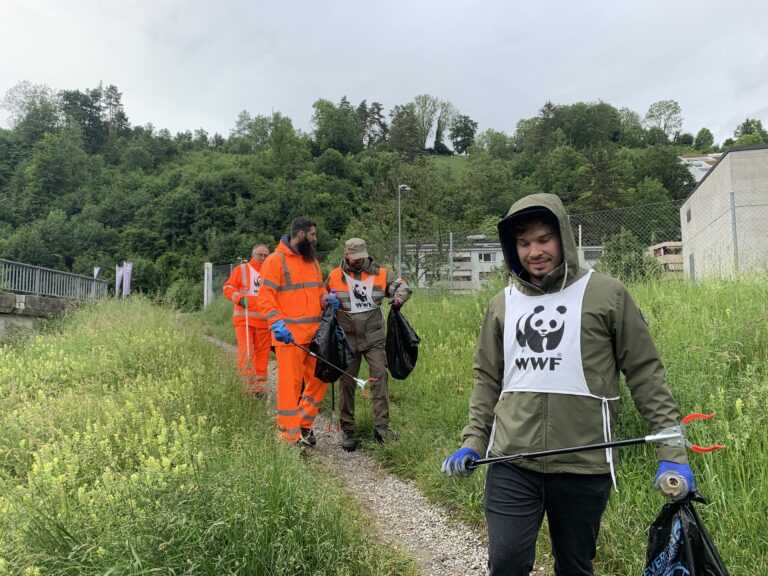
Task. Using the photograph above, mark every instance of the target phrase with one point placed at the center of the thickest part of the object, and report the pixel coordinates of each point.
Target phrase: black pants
(515, 503)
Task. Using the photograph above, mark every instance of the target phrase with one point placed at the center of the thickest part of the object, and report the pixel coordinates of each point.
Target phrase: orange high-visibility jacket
(245, 282)
(365, 329)
(292, 291)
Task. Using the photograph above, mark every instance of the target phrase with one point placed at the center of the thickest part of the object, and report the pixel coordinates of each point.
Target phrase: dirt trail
(401, 514)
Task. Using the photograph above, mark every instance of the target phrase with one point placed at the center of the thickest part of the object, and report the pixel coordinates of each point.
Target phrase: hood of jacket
(527, 206)
(285, 246)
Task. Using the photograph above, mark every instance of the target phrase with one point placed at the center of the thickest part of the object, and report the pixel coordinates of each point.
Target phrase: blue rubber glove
(397, 302)
(281, 332)
(682, 469)
(456, 464)
(332, 300)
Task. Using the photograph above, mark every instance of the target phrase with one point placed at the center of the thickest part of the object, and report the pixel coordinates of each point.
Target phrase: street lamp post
(401, 188)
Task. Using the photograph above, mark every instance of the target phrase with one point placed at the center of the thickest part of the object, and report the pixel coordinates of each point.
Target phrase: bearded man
(291, 298)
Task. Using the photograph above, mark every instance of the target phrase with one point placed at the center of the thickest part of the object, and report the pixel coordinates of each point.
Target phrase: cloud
(187, 64)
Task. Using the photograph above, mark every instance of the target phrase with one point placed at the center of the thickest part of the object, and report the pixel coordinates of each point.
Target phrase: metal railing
(28, 279)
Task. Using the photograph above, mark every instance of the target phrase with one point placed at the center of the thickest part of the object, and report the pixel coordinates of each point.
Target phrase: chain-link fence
(729, 234)
(461, 259)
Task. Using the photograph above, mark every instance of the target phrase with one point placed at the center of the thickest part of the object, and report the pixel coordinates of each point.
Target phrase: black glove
(243, 302)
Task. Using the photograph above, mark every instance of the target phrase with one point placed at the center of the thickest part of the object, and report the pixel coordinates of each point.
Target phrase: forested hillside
(81, 187)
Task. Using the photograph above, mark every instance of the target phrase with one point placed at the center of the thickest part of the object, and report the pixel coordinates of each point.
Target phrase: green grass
(713, 339)
(450, 168)
(127, 447)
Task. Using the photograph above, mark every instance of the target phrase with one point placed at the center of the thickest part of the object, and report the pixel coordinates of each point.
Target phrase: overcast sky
(188, 64)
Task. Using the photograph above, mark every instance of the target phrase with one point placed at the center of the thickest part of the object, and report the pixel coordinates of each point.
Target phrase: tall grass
(713, 339)
(126, 447)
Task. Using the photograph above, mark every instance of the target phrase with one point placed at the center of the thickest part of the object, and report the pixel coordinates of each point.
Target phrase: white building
(699, 164)
(724, 221)
(460, 267)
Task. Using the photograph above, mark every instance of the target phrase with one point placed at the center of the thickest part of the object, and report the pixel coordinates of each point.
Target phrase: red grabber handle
(695, 447)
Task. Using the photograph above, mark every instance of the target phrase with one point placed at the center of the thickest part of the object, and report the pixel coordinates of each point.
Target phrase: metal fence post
(733, 233)
(207, 283)
(450, 260)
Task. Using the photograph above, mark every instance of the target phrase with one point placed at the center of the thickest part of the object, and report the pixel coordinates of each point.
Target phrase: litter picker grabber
(333, 424)
(359, 381)
(248, 364)
(672, 436)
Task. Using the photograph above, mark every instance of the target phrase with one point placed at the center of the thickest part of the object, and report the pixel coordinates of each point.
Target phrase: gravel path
(402, 515)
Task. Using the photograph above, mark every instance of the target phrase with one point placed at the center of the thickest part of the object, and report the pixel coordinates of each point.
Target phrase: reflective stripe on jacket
(238, 286)
(293, 291)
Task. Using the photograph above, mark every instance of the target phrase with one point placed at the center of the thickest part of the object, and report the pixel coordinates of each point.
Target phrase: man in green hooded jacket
(547, 367)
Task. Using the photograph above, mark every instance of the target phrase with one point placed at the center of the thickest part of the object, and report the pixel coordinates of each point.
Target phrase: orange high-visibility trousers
(254, 369)
(296, 410)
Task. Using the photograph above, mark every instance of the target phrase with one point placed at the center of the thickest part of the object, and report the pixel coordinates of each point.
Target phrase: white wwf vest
(542, 348)
(360, 294)
(542, 342)
(256, 282)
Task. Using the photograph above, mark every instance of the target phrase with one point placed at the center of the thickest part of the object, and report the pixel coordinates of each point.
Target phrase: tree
(666, 115)
(404, 134)
(749, 139)
(683, 138)
(445, 117)
(624, 258)
(462, 133)
(57, 168)
(84, 109)
(337, 126)
(631, 128)
(655, 136)
(242, 124)
(372, 124)
(585, 125)
(704, 140)
(497, 144)
(425, 108)
(34, 110)
(114, 113)
(750, 127)
(602, 183)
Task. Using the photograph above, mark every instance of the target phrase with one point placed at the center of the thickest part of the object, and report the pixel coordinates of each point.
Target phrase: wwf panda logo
(540, 330)
(359, 293)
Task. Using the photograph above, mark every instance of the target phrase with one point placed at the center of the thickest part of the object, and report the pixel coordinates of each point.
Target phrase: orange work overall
(292, 291)
(251, 328)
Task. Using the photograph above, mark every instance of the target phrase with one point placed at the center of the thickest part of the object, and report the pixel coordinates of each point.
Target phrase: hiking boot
(384, 434)
(348, 442)
(301, 447)
(308, 437)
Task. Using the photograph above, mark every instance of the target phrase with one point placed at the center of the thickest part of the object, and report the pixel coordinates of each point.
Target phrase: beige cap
(356, 248)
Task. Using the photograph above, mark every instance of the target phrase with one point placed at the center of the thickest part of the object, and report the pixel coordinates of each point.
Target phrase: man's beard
(355, 267)
(306, 249)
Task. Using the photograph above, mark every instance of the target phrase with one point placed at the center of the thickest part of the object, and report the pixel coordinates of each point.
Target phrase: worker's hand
(243, 302)
(331, 300)
(666, 466)
(281, 332)
(397, 302)
(457, 464)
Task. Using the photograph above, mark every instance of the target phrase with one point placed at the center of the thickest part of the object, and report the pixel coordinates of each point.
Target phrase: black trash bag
(679, 545)
(330, 343)
(402, 345)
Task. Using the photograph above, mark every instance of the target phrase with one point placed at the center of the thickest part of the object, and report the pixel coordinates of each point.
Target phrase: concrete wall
(710, 247)
(21, 311)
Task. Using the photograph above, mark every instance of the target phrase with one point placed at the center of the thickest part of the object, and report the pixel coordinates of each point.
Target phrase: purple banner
(118, 279)
(127, 271)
